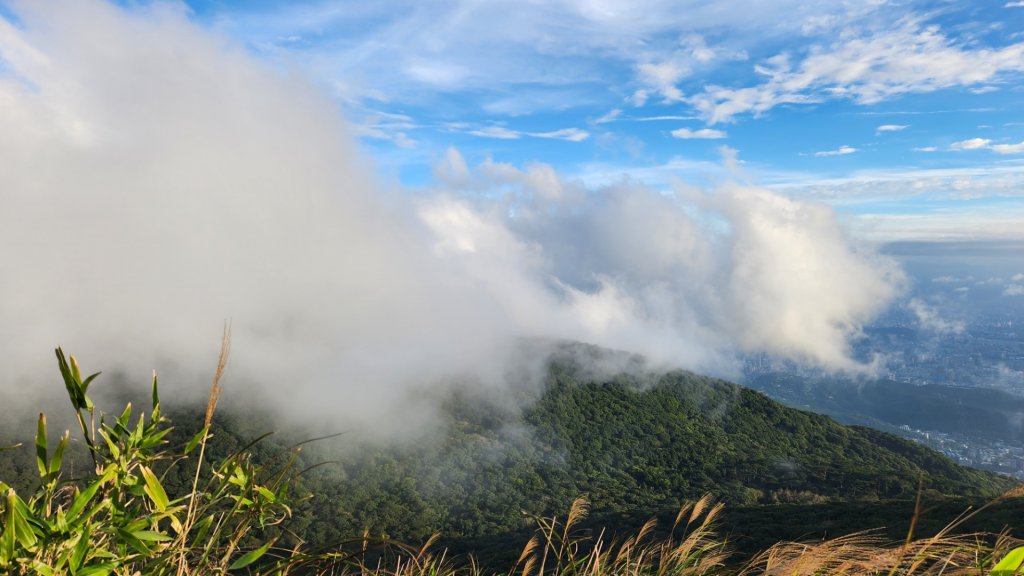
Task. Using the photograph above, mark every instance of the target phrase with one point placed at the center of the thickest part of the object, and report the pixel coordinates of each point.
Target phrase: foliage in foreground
(121, 520)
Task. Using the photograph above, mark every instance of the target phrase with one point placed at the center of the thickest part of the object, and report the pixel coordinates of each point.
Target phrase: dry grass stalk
(222, 362)
(866, 554)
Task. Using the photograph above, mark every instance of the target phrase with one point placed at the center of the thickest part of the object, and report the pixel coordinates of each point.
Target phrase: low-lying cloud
(156, 179)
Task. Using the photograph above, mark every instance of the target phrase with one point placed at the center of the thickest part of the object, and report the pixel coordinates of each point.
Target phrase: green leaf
(151, 536)
(17, 524)
(69, 380)
(58, 455)
(75, 372)
(85, 384)
(267, 494)
(129, 539)
(7, 537)
(156, 397)
(251, 556)
(41, 568)
(11, 447)
(82, 498)
(98, 569)
(154, 490)
(111, 445)
(81, 547)
(152, 439)
(203, 527)
(123, 420)
(41, 445)
(1010, 563)
(196, 439)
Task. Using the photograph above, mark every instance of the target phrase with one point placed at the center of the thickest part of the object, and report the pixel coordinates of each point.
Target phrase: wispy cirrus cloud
(841, 151)
(503, 133)
(970, 144)
(1017, 148)
(567, 134)
(986, 144)
(867, 67)
(891, 128)
(702, 134)
(497, 132)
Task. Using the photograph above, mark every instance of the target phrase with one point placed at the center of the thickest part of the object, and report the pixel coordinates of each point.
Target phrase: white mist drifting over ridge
(156, 179)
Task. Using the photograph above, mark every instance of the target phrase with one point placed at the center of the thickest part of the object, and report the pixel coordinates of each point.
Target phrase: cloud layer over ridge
(156, 179)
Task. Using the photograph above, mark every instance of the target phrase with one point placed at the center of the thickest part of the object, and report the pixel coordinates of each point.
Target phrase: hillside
(636, 444)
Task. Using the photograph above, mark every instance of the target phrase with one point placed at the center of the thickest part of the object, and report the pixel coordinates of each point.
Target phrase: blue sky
(906, 113)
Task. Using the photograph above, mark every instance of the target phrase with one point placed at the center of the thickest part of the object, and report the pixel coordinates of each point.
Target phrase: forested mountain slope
(637, 443)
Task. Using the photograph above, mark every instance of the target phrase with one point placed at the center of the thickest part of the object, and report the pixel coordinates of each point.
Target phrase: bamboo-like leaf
(196, 439)
(156, 397)
(75, 372)
(138, 545)
(1010, 563)
(97, 569)
(136, 436)
(81, 547)
(19, 515)
(111, 445)
(58, 455)
(87, 381)
(250, 556)
(42, 569)
(85, 496)
(41, 445)
(7, 537)
(154, 490)
(151, 536)
(150, 440)
(125, 416)
(69, 380)
(267, 494)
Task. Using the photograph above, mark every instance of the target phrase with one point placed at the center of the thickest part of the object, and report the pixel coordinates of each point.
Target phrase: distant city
(987, 353)
(951, 359)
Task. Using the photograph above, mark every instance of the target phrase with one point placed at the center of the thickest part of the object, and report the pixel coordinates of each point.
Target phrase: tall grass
(121, 520)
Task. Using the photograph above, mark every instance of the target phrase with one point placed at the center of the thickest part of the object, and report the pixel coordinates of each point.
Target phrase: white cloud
(970, 144)
(986, 143)
(569, 134)
(891, 128)
(1017, 148)
(1018, 4)
(639, 98)
(666, 118)
(930, 319)
(866, 66)
(703, 133)
(841, 151)
(1018, 277)
(611, 116)
(1014, 290)
(504, 133)
(497, 132)
(926, 149)
(663, 77)
(246, 197)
